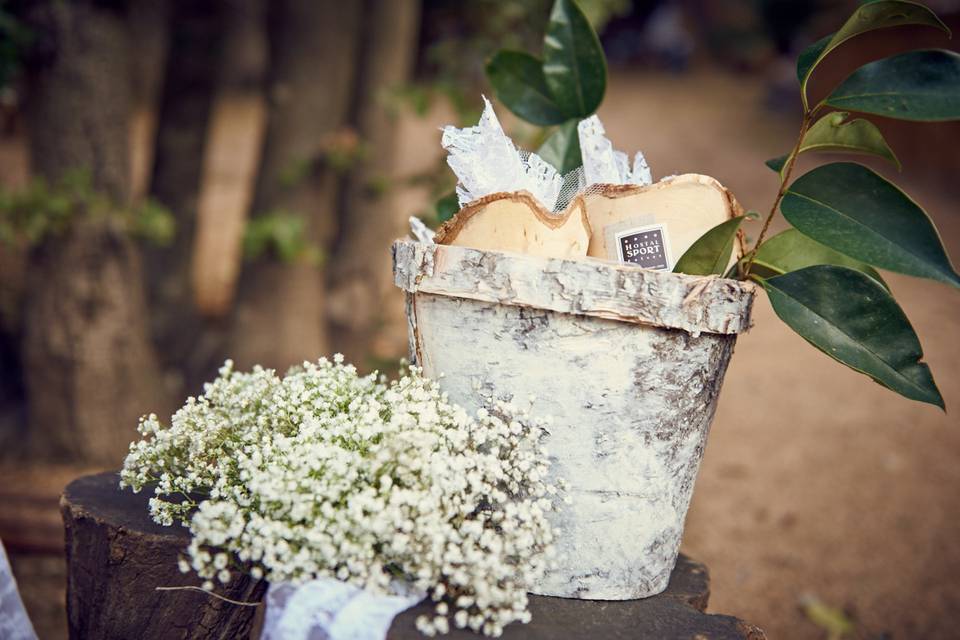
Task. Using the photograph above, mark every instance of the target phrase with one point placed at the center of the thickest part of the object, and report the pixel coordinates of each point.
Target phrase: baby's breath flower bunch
(323, 473)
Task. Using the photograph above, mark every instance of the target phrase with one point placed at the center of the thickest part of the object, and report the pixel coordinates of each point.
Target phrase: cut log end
(117, 557)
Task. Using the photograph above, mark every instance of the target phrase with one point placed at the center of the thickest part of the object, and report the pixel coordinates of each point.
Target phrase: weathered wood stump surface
(117, 556)
(675, 614)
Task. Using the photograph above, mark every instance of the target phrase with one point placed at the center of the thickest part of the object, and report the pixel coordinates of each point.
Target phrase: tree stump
(117, 557)
(677, 613)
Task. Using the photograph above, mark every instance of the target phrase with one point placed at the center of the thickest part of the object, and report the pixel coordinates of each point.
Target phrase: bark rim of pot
(588, 286)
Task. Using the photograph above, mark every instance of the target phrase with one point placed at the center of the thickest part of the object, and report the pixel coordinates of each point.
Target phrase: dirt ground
(816, 481)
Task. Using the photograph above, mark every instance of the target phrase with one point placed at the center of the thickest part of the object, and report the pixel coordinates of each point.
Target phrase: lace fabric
(329, 609)
(602, 164)
(486, 161)
(420, 231)
(14, 622)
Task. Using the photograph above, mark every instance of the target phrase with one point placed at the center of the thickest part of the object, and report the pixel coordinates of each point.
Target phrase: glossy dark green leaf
(790, 250)
(777, 163)
(808, 59)
(574, 66)
(916, 85)
(711, 252)
(869, 16)
(447, 207)
(518, 83)
(854, 320)
(834, 133)
(562, 148)
(853, 210)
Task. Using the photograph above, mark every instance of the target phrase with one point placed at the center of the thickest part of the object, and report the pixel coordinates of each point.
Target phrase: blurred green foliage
(14, 37)
(281, 235)
(41, 210)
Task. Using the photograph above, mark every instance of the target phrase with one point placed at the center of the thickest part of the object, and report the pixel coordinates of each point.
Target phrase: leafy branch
(781, 192)
(559, 90)
(820, 275)
(847, 221)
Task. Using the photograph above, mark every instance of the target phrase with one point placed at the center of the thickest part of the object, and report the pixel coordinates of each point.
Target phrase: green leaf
(518, 83)
(853, 210)
(562, 148)
(854, 320)
(808, 60)
(790, 250)
(573, 62)
(832, 134)
(917, 85)
(870, 16)
(711, 252)
(777, 163)
(447, 206)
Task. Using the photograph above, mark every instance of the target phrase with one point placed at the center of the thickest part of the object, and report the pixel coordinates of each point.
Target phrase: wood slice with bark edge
(600, 218)
(116, 558)
(566, 235)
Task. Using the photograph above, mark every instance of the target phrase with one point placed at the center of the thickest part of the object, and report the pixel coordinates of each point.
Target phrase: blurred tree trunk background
(266, 129)
(89, 364)
(183, 116)
(361, 279)
(309, 85)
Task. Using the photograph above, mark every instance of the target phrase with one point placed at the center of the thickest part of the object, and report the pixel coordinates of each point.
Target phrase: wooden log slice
(117, 556)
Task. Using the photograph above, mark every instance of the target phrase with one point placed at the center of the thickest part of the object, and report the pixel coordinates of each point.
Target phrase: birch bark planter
(627, 361)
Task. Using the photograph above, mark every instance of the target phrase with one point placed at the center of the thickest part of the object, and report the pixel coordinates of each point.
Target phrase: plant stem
(808, 116)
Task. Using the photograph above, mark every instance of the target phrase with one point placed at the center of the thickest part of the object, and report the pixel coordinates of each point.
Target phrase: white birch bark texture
(628, 362)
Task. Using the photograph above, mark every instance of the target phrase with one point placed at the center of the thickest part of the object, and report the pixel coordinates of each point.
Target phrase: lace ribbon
(329, 609)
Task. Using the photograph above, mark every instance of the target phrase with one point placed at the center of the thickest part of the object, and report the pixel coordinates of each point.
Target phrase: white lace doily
(486, 161)
(328, 609)
(602, 164)
(14, 622)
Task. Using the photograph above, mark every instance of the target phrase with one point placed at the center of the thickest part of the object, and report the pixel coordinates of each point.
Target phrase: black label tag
(643, 248)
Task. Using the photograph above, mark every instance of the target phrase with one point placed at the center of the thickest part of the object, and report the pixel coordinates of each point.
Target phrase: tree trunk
(279, 319)
(117, 557)
(90, 369)
(234, 142)
(149, 27)
(180, 142)
(362, 298)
